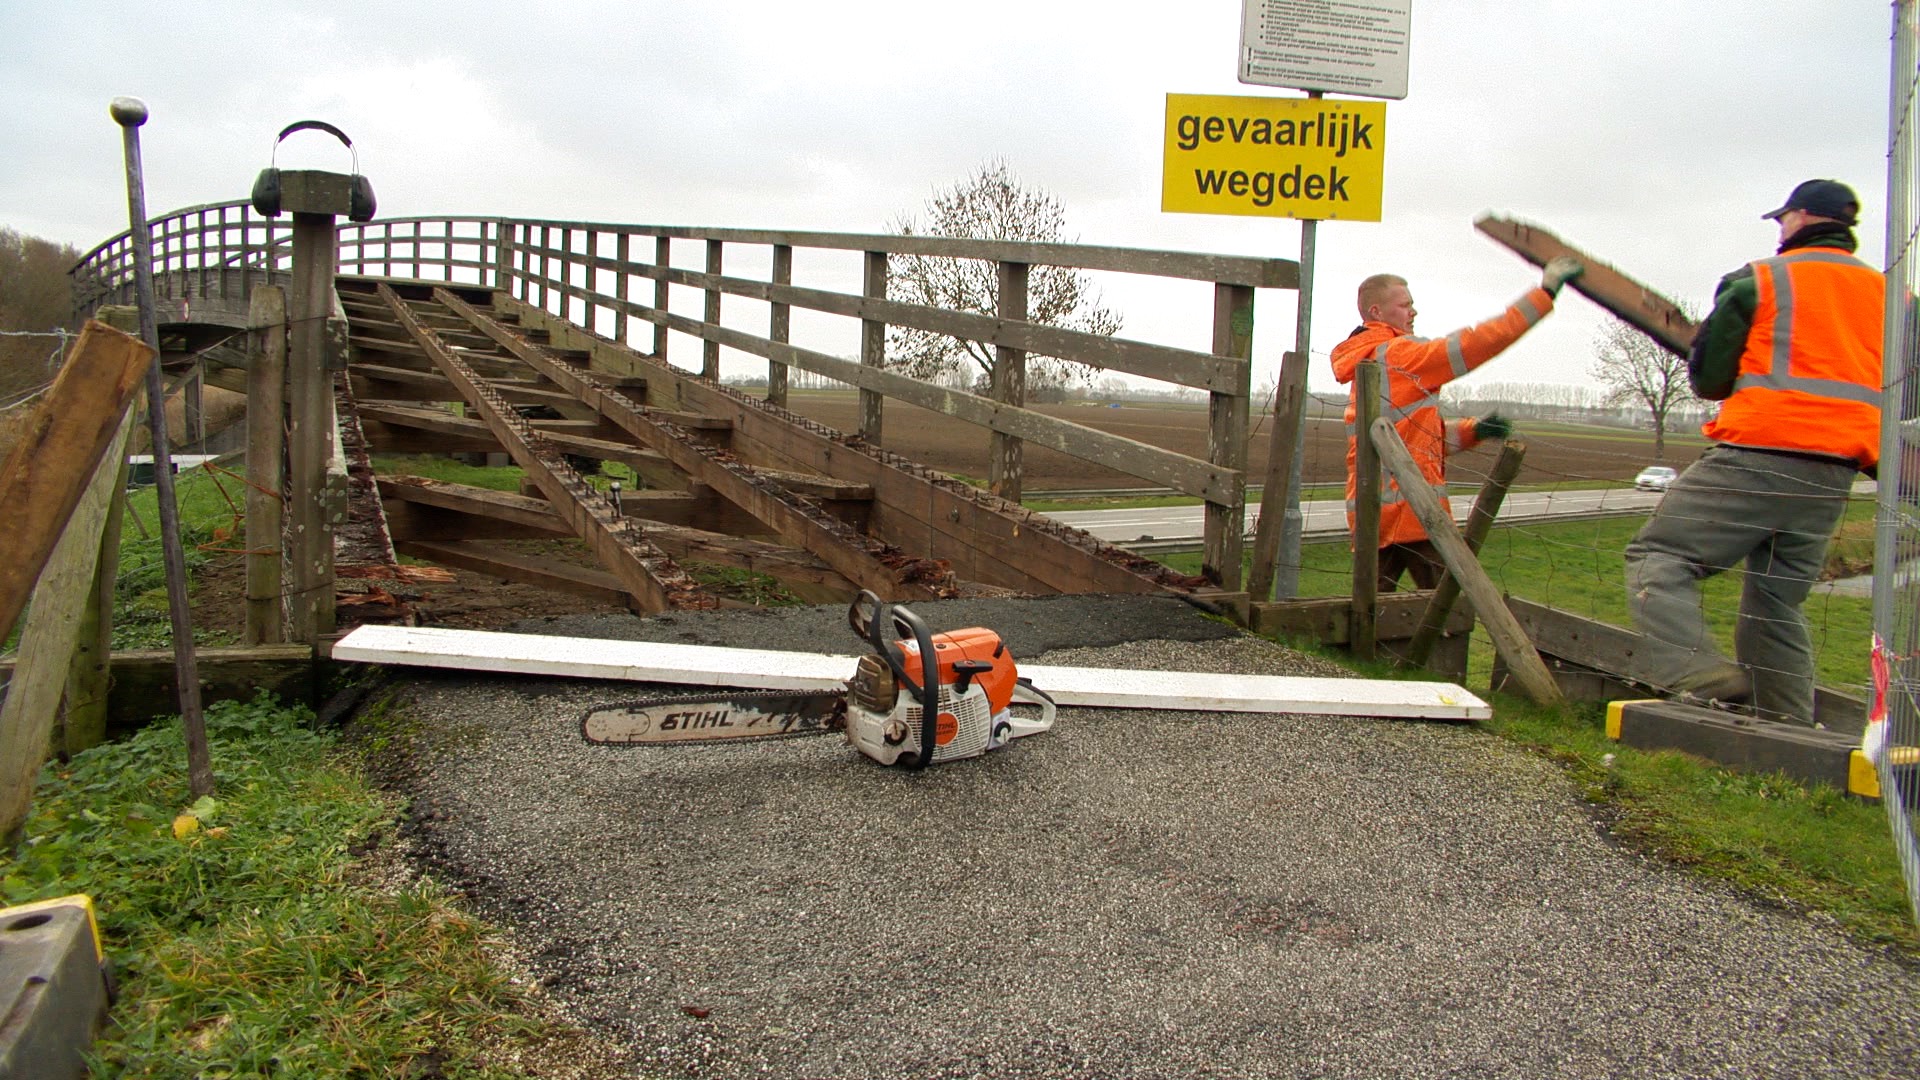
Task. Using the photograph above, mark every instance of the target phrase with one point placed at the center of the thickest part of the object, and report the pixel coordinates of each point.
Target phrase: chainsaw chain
(833, 722)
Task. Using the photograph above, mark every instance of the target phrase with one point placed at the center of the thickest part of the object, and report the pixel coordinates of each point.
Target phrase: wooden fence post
(779, 324)
(1479, 523)
(623, 323)
(709, 348)
(1289, 401)
(1224, 529)
(266, 462)
(504, 278)
(1005, 454)
(1367, 382)
(873, 347)
(1509, 640)
(662, 260)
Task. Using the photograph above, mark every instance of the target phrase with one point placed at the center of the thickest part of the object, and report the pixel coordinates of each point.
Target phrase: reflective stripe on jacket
(1414, 369)
(1809, 378)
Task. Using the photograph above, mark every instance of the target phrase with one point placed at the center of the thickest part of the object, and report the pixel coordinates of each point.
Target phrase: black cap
(1822, 198)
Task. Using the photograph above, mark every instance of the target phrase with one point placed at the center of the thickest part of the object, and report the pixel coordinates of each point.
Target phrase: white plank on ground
(712, 665)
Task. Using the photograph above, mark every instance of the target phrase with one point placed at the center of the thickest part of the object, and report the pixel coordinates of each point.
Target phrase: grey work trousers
(1775, 513)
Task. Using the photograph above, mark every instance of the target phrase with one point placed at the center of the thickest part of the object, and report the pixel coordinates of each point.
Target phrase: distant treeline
(34, 297)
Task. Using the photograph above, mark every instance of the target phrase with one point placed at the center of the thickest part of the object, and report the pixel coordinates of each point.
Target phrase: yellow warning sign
(1274, 157)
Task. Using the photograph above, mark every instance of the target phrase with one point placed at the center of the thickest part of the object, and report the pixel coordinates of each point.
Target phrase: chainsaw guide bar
(674, 721)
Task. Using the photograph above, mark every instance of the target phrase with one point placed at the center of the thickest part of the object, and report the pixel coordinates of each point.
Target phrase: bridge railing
(204, 257)
(594, 275)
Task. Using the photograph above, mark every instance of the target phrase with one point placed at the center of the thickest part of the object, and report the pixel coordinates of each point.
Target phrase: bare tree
(1635, 371)
(988, 205)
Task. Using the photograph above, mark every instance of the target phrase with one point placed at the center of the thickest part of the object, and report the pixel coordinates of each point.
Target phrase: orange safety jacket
(1810, 375)
(1414, 370)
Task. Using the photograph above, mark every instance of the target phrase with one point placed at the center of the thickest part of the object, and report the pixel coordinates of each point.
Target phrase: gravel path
(1135, 894)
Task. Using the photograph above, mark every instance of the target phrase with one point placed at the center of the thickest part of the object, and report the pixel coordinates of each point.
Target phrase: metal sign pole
(1287, 573)
(130, 113)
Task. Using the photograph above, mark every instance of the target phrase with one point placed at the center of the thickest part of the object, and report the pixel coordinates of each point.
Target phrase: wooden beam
(647, 573)
(143, 679)
(890, 574)
(1509, 640)
(48, 638)
(467, 434)
(1230, 269)
(1368, 380)
(473, 511)
(266, 464)
(1225, 517)
(1486, 507)
(46, 471)
(1654, 315)
(1277, 497)
(1328, 621)
(1006, 455)
(557, 575)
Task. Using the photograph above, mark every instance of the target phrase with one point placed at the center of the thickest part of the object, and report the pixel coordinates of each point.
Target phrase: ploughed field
(1556, 452)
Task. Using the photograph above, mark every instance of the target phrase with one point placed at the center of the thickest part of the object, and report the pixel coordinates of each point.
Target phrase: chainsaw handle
(871, 617)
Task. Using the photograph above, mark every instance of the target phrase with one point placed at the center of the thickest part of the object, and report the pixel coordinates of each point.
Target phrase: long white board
(711, 665)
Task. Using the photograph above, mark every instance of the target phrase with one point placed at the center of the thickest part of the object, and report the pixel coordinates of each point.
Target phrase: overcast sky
(1652, 134)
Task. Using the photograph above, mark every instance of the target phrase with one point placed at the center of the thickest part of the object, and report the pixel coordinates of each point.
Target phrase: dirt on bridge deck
(1134, 894)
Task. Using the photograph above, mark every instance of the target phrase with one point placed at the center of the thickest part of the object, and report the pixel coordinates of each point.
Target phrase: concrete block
(53, 989)
(1745, 743)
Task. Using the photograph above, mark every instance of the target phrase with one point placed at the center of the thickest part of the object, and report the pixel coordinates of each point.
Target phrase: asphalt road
(1328, 517)
(1135, 894)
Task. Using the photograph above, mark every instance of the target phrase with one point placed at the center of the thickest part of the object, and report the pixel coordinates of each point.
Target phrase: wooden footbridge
(546, 343)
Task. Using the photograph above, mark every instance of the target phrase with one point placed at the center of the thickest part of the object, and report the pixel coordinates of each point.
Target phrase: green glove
(1492, 426)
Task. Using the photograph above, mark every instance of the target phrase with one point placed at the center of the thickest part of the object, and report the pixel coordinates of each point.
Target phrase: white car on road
(1655, 478)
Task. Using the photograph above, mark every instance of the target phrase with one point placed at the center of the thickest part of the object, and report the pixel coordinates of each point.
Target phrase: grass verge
(1810, 848)
(251, 938)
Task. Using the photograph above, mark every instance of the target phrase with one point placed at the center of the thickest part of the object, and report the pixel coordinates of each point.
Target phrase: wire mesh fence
(1893, 739)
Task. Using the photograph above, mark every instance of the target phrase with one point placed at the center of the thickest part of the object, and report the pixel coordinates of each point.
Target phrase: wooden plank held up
(1508, 639)
(1655, 315)
(43, 476)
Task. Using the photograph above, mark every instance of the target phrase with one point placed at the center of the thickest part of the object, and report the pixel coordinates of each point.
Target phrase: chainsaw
(897, 709)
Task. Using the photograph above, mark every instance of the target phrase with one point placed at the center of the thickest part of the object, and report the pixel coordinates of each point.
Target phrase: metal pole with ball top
(130, 113)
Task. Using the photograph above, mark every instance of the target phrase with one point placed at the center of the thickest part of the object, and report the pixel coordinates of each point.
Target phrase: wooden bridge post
(1366, 511)
(316, 348)
(710, 348)
(1225, 527)
(1277, 496)
(1005, 454)
(266, 461)
(873, 347)
(779, 324)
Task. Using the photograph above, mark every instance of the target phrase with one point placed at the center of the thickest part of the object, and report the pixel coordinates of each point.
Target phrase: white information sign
(1356, 47)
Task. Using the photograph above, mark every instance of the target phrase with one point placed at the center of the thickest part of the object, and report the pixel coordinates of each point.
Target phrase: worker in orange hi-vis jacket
(1413, 371)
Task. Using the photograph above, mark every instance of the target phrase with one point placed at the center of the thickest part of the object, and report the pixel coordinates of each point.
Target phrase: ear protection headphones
(266, 187)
